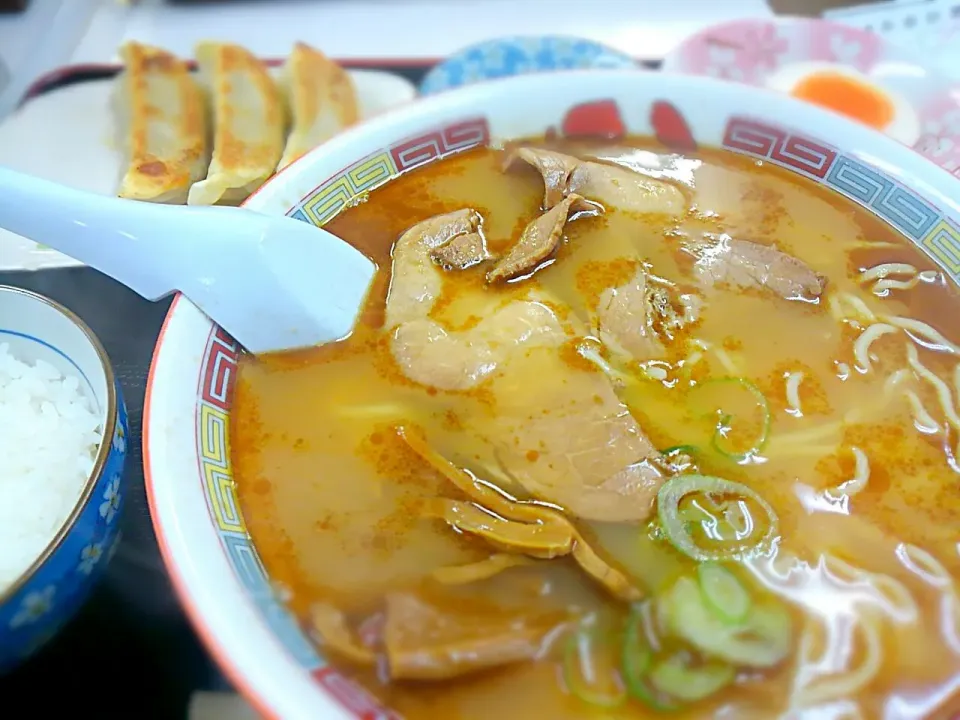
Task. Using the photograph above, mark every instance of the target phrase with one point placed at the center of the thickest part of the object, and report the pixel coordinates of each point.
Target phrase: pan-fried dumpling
(321, 99)
(162, 113)
(249, 124)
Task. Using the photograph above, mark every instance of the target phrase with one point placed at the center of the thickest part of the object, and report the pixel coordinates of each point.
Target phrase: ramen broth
(838, 411)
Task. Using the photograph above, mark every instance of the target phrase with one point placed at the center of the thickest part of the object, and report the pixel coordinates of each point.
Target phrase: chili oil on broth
(334, 499)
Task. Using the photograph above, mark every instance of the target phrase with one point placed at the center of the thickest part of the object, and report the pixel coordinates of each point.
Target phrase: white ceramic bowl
(201, 531)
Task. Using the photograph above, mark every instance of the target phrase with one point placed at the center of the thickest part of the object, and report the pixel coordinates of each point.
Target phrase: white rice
(49, 437)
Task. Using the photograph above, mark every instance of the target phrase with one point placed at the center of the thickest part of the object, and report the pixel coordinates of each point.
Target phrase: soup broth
(710, 441)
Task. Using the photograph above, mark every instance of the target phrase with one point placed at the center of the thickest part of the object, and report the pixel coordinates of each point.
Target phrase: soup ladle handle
(273, 282)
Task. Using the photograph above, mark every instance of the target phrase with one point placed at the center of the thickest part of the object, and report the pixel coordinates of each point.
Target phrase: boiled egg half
(851, 93)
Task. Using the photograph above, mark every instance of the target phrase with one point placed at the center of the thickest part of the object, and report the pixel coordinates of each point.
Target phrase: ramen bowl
(204, 537)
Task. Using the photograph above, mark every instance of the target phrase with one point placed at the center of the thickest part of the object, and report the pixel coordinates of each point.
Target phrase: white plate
(68, 136)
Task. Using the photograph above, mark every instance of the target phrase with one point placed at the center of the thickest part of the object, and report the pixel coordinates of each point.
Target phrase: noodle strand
(815, 688)
(883, 273)
(889, 595)
(943, 392)
(924, 565)
(861, 473)
(793, 393)
(922, 419)
(884, 270)
(861, 348)
(934, 338)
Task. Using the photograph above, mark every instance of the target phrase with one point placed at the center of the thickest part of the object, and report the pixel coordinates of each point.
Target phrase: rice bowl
(61, 468)
(50, 418)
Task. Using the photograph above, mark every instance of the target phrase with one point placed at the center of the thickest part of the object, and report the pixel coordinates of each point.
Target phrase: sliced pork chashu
(625, 319)
(539, 239)
(744, 264)
(560, 431)
(428, 353)
(433, 356)
(415, 283)
(565, 437)
(425, 642)
(462, 252)
(611, 185)
(637, 319)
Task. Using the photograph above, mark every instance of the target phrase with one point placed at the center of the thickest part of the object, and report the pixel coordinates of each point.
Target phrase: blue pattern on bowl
(51, 594)
(504, 57)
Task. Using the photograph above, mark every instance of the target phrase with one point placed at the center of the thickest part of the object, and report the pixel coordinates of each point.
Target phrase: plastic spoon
(272, 282)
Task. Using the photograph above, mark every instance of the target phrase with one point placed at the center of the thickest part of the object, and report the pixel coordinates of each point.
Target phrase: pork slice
(611, 185)
(625, 320)
(539, 239)
(565, 437)
(426, 642)
(745, 264)
(430, 355)
(331, 627)
(637, 318)
(461, 252)
(416, 282)
(554, 167)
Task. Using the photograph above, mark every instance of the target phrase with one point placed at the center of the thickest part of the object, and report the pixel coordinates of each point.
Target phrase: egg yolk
(847, 95)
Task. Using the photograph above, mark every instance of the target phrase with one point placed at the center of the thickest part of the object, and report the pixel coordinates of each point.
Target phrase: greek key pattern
(897, 205)
(215, 462)
(324, 202)
(213, 431)
(334, 195)
(451, 139)
(246, 563)
(792, 151)
(217, 375)
(942, 243)
(219, 371)
(915, 217)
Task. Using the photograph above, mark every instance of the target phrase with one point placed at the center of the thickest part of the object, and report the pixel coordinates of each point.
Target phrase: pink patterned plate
(843, 68)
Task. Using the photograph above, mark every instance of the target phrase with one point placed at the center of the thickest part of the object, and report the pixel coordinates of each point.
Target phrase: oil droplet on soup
(619, 439)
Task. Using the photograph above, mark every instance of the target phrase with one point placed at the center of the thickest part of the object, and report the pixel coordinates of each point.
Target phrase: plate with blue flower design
(504, 57)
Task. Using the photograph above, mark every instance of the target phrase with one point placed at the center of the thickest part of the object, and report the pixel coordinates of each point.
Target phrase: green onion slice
(589, 668)
(676, 677)
(723, 592)
(761, 640)
(636, 660)
(730, 528)
(741, 413)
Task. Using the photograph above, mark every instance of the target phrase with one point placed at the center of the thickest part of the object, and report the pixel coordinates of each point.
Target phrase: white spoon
(272, 282)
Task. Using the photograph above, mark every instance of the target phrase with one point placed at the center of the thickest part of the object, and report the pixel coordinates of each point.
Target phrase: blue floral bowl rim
(456, 55)
(534, 36)
(103, 452)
